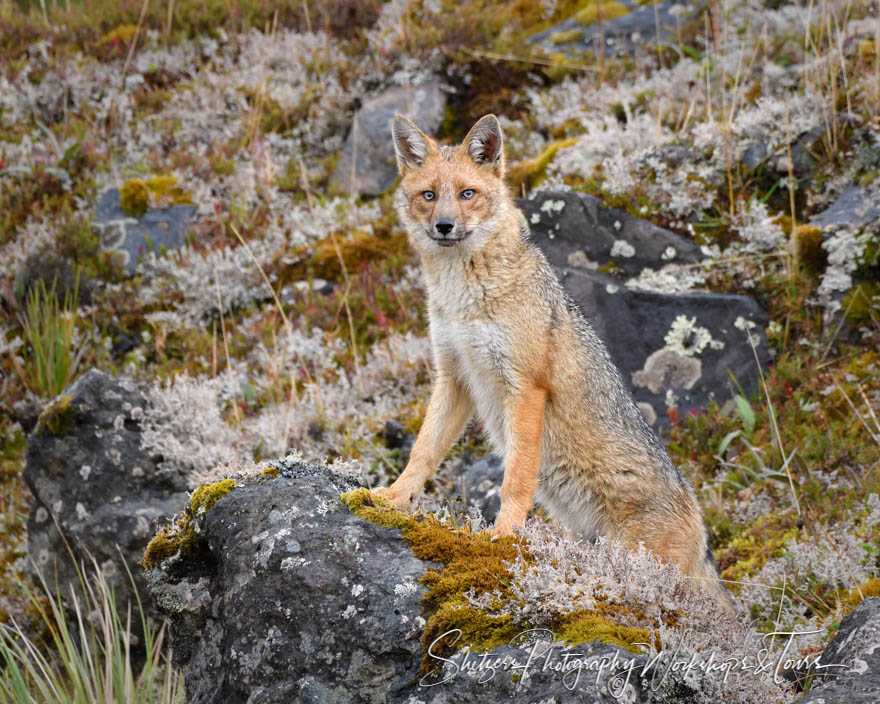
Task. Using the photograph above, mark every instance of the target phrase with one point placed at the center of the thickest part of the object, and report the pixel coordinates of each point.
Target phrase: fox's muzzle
(445, 233)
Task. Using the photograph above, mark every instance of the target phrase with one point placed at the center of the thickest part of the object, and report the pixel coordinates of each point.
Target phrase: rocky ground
(195, 205)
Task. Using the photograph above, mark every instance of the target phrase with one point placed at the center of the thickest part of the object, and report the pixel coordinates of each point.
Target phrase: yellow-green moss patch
(272, 472)
(134, 197)
(600, 12)
(57, 417)
(572, 35)
(161, 191)
(532, 171)
(478, 564)
(181, 535)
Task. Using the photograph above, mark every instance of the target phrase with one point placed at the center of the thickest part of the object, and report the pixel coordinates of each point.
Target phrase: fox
(511, 347)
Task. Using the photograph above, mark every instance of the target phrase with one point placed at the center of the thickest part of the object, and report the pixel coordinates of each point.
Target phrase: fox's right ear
(411, 145)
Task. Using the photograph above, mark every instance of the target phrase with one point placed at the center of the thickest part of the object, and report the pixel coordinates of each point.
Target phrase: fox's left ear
(485, 145)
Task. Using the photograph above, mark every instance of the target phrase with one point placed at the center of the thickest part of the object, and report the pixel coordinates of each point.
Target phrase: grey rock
(578, 230)
(643, 25)
(754, 155)
(482, 485)
(635, 324)
(857, 647)
(129, 238)
(95, 485)
(289, 597)
(367, 165)
(856, 206)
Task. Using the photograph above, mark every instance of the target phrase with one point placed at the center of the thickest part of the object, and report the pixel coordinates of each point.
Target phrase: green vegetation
(181, 536)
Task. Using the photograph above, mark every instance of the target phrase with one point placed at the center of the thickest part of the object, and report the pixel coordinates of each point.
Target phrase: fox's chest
(478, 352)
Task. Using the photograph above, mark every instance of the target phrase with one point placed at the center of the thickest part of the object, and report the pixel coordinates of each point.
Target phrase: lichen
(57, 417)
(181, 536)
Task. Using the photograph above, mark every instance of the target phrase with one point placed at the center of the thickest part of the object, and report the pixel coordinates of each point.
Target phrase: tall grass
(49, 327)
(86, 657)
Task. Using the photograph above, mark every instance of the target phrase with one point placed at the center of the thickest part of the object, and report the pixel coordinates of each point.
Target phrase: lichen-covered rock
(578, 230)
(625, 25)
(92, 481)
(855, 207)
(367, 165)
(288, 596)
(129, 238)
(673, 349)
(482, 485)
(857, 647)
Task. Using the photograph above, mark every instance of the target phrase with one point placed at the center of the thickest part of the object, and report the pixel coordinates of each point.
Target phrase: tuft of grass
(49, 326)
(91, 659)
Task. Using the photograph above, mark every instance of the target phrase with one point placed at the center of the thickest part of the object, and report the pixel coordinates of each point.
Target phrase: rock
(482, 485)
(129, 237)
(367, 165)
(289, 597)
(857, 647)
(396, 438)
(855, 207)
(578, 230)
(754, 155)
(293, 598)
(643, 25)
(91, 479)
(677, 349)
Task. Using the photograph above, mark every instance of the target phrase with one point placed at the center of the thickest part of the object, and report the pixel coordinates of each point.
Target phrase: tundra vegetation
(293, 316)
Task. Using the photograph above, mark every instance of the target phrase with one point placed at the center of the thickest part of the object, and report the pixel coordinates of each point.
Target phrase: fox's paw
(400, 499)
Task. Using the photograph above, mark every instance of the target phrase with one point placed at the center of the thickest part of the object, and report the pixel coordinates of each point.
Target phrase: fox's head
(450, 197)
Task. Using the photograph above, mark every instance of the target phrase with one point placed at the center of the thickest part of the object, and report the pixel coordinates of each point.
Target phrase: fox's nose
(444, 226)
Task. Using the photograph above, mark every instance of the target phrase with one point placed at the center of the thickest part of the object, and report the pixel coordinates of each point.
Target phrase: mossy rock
(57, 417)
(181, 536)
(600, 12)
(532, 172)
(476, 563)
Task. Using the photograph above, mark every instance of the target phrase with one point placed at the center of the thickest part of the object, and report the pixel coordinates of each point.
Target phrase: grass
(88, 655)
(49, 327)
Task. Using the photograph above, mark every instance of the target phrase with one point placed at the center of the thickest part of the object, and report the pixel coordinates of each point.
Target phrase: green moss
(272, 472)
(808, 245)
(589, 627)
(57, 417)
(571, 35)
(134, 197)
(181, 536)
(161, 191)
(861, 303)
(476, 563)
(531, 172)
(600, 11)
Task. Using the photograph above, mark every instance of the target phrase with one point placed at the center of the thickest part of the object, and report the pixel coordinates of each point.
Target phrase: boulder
(856, 648)
(578, 230)
(367, 164)
(855, 207)
(674, 349)
(97, 494)
(129, 237)
(642, 25)
(289, 597)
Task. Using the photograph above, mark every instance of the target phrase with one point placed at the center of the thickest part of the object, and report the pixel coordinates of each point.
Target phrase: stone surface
(95, 484)
(857, 647)
(644, 25)
(293, 598)
(289, 597)
(482, 485)
(856, 206)
(686, 344)
(578, 230)
(129, 237)
(367, 165)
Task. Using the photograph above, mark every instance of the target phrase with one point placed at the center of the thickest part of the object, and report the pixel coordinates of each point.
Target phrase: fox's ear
(411, 145)
(485, 144)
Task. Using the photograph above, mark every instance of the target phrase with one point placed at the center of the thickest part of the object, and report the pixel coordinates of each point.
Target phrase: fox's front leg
(449, 409)
(525, 423)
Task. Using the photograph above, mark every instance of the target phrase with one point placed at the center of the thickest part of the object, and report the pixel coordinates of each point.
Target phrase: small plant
(49, 331)
(90, 659)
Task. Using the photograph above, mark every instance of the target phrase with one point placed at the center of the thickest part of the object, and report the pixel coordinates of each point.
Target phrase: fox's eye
(468, 193)
(428, 195)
